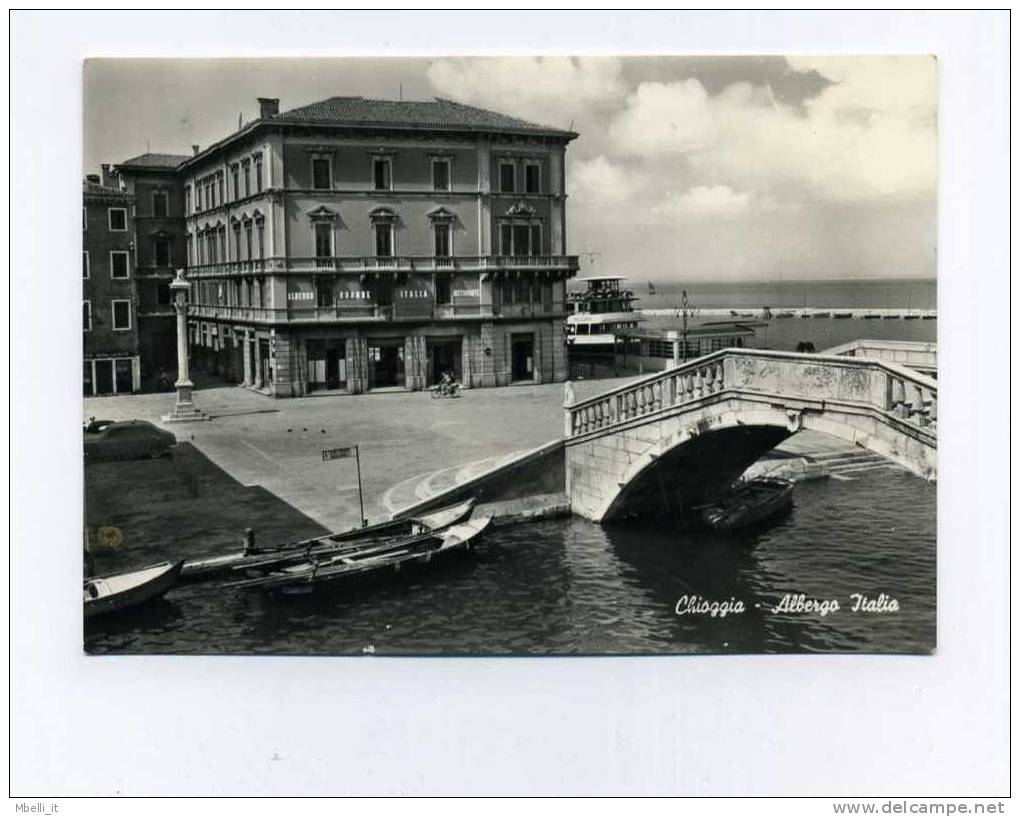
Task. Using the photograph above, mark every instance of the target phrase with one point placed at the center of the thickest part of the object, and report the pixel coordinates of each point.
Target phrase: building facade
(158, 244)
(358, 244)
(111, 363)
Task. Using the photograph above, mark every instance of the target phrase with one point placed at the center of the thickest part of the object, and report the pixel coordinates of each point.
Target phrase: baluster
(897, 397)
(932, 411)
(599, 415)
(719, 376)
(633, 403)
(657, 395)
(917, 407)
(699, 383)
(641, 400)
(710, 380)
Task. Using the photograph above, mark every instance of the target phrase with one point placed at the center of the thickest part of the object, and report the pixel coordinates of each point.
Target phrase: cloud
(717, 201)
(870, 134)
(548, 90)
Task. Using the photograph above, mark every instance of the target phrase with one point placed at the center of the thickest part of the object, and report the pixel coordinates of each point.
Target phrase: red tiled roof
(164, 160)
(436, 113)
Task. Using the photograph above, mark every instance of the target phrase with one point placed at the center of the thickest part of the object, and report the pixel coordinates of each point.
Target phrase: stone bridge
(666, 442)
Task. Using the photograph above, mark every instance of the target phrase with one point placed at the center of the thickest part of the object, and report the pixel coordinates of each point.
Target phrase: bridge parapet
(902, 394)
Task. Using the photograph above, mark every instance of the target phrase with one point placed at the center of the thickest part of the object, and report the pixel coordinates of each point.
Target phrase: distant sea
(787, 334)
(854, 294)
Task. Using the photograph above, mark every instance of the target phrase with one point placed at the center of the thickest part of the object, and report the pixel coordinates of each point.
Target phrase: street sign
(344, 453)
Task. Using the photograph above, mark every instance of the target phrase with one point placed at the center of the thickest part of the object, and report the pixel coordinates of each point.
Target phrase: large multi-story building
(111, 362)
(356, 244)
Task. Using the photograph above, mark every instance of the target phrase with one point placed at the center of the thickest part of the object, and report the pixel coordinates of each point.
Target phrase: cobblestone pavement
(412, 446)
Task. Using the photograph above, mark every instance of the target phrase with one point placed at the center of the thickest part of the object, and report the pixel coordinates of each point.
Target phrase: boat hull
(291, 553)
(114, 593)
(750, 504)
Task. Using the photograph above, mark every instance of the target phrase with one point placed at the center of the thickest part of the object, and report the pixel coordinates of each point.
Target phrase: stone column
(184, 409)
(257, 355)
(246, 356)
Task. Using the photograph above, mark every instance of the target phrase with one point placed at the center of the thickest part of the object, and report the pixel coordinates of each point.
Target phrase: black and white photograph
(509, 403)
(403, 356)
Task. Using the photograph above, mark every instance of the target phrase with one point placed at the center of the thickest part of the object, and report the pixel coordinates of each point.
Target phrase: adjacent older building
(158, 244)
(357, 244)
(111, 362)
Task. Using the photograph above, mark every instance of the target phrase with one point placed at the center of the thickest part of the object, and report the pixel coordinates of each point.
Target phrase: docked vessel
(599, 313)
(108, 594)
(332, 544)
(368, 561)
(749, 503)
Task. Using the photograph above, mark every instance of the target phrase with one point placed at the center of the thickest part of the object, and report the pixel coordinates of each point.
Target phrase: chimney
(268, 107)
(109, 179)
(194, 150)
(92, 177)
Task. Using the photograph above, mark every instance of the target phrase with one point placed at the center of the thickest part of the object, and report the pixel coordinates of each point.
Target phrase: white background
(821, 725)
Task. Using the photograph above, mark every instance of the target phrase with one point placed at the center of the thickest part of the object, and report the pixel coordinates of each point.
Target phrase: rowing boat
(291, 552)
(370, 561)
(749, 503)
(107, 594)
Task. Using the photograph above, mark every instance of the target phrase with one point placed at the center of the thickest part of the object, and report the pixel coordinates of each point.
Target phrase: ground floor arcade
(292, 361)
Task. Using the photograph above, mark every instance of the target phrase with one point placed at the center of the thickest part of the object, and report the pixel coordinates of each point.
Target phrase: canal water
(569, 587)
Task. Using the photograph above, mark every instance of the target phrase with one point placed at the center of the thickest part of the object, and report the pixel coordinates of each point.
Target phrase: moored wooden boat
(296, 552)
(748, 503)
(106, 594)
(370, 561)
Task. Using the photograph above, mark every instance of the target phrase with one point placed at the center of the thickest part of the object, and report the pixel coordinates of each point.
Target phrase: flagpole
(361, 502)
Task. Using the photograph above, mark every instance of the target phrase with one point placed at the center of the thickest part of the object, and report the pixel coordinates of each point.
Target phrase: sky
(728, 168)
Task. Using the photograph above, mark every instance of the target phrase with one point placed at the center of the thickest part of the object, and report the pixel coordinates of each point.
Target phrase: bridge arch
(680, 435)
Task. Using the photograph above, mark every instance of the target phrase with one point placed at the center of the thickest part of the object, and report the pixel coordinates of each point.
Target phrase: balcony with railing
(395, 263)
(371, 312)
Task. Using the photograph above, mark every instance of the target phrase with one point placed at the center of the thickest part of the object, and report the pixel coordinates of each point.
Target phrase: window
(258, 172)
(321, 173)
(235, 176)
(86, 315)
(324, 290)
(506, 244)
(246, 169)
(443, 289)
(440, 174)
(382, 174)
(442, 240)
(160, 204)
(118, 219)
(384, 240)
(532, 178)
(219, 185)
(189, 248)
(187, 199)
(507, 172)
(163, 297)
(85, 263)
(84, 218)
(323, 240)
(247, 241)
(520, 238)
(121, 315)
(118, 264)
(237, 241)
(162, 252)
(262, 238)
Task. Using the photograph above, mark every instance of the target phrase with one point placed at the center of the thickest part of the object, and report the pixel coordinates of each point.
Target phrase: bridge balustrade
(889, 388)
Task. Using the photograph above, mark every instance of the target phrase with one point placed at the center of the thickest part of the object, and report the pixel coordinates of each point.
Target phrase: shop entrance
(327, 366)
(104, 377)
(522, 357)
(443, 356)
(385, 363)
